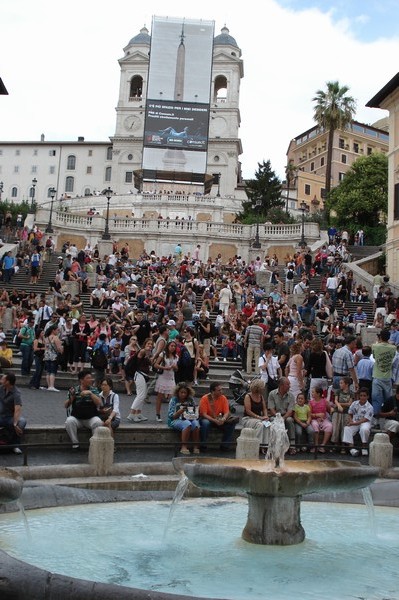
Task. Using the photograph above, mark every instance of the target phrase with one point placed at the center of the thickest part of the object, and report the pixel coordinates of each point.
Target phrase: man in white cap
(173, 333)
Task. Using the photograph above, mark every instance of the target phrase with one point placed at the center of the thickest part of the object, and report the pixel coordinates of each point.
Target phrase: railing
(234, 231)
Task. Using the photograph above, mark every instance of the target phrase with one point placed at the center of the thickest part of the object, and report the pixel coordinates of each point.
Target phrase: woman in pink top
(320, 411)
(294, 370)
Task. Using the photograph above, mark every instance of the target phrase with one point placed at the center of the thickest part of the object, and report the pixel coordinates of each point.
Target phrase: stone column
(247, 445)
(101, 451)
(381, 451)
(104, 248)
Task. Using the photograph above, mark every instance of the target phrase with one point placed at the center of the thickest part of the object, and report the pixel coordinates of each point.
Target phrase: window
(87, 192)
(69, 183)
(31, 192)
(90, 152)
(51, 152)
(130, 156)
(312, 166)
(16, 169)
(343, 158)
(17, 152)
(136, 87)
(88, 170)
(109, 153)
(356, 147)
(307, 189)
(129, 177)
(341, 143)
(71, 162)
(322, 161)
(34, 152)
(51, 170)
(323, 192)
(14, 192)
(49, 193)
(341, 176)
(34, 169)
(220, 90)
(108, 171)
(1, 152)
(369, 150)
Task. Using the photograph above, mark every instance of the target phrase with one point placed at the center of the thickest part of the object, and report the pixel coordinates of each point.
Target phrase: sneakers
(75, 446)
(130, 418)
(225, 360)
(158, 419)
(216, 359)
(365, 452)
(141, 417)
(17, 450)
(354, 452)
(195, 384)
(52, 389)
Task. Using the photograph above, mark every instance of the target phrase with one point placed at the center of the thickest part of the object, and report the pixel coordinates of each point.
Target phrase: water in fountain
(178, 495)
(278, 442)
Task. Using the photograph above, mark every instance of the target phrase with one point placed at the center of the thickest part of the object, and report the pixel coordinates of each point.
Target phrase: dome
(142, 38)
(225, 39)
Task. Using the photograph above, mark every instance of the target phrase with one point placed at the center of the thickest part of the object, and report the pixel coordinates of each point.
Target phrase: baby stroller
(239, 386)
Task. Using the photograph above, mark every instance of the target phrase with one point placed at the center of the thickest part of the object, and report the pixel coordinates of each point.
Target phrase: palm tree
(333, 110)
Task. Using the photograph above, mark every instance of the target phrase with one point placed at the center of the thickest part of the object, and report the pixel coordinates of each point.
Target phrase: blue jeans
(27, 358)
(8, 423)
(37, 375)
(381, 390)
(227, 430)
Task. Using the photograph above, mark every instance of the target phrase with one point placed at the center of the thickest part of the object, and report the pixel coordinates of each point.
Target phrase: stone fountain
(274, 489)
(10, 486)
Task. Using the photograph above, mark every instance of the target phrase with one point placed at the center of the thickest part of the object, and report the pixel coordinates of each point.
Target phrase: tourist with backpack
(99, 359)
(188, 353)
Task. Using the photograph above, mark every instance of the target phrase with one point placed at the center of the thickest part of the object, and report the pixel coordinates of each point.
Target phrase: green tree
(361, 199)
(264, 194)
(333, 110)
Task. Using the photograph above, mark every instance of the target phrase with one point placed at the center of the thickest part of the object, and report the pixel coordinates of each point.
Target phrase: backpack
(290, 274)
(49, 244)
(99, 359)
(185, 357)
(35, 260)
(17, 339)
(132, 365)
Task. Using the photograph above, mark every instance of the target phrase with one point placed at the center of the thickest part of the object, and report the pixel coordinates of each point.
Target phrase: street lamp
(256, 243)
(218, 194)
(49, 228)
(106, 235)
(33, 191)
(304, 208)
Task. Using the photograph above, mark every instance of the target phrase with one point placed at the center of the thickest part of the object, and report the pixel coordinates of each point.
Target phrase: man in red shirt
(214, 411)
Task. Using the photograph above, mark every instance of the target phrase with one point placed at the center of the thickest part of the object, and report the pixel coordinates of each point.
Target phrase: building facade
(388, 99)
(84, 168)
(307, 153)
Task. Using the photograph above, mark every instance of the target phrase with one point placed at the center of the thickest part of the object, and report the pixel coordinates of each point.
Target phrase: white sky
(59, 64)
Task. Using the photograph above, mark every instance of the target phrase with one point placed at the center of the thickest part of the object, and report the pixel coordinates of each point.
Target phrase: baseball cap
(171, 323)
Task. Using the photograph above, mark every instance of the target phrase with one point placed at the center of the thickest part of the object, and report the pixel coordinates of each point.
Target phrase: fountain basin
(274, 494)
(10, 485)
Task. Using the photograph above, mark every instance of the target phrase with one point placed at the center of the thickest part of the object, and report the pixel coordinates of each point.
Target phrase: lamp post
(33, 192)
(1, 189)
(49, 228)
(106, 235)
(304, 208)
(256, 243)
(218, 194)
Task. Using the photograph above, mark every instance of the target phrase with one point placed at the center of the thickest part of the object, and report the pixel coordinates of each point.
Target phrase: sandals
(184, 451)
(292, 451)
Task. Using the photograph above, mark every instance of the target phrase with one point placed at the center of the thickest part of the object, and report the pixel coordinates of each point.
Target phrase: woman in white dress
(166, 366)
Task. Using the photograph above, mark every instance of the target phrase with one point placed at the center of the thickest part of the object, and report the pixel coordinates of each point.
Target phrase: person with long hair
(109, 408)
(318, 365)
(183, 417)
(166, 365)
(38, 356)
(141, 378)
(80, 336)
(53, 347)
(255, 412)
(320, 413)
(294, 369)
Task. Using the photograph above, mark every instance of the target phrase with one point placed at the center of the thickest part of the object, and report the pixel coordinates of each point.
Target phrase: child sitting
(115, 360)
(342, 401)
(230, 347)
(360, 419)
(302, 419)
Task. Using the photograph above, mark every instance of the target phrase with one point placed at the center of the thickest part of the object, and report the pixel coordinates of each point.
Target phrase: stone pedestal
(104, 248)
(91, 280)
(263, 279)
(70, 287)
(101, 452)
(274, 520)
(369, 335)
(381, 451)
(7, 320)
(247, 445)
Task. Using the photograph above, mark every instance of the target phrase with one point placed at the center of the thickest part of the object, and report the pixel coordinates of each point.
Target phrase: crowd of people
(157, 322)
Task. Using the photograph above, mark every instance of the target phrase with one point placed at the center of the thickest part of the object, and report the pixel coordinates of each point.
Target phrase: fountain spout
(278, 442)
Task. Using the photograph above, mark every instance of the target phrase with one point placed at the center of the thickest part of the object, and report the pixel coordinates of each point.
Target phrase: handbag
(232, 419)
(329, 369)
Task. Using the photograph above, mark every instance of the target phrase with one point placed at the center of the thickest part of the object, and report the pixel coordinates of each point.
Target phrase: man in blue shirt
(8, 267)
